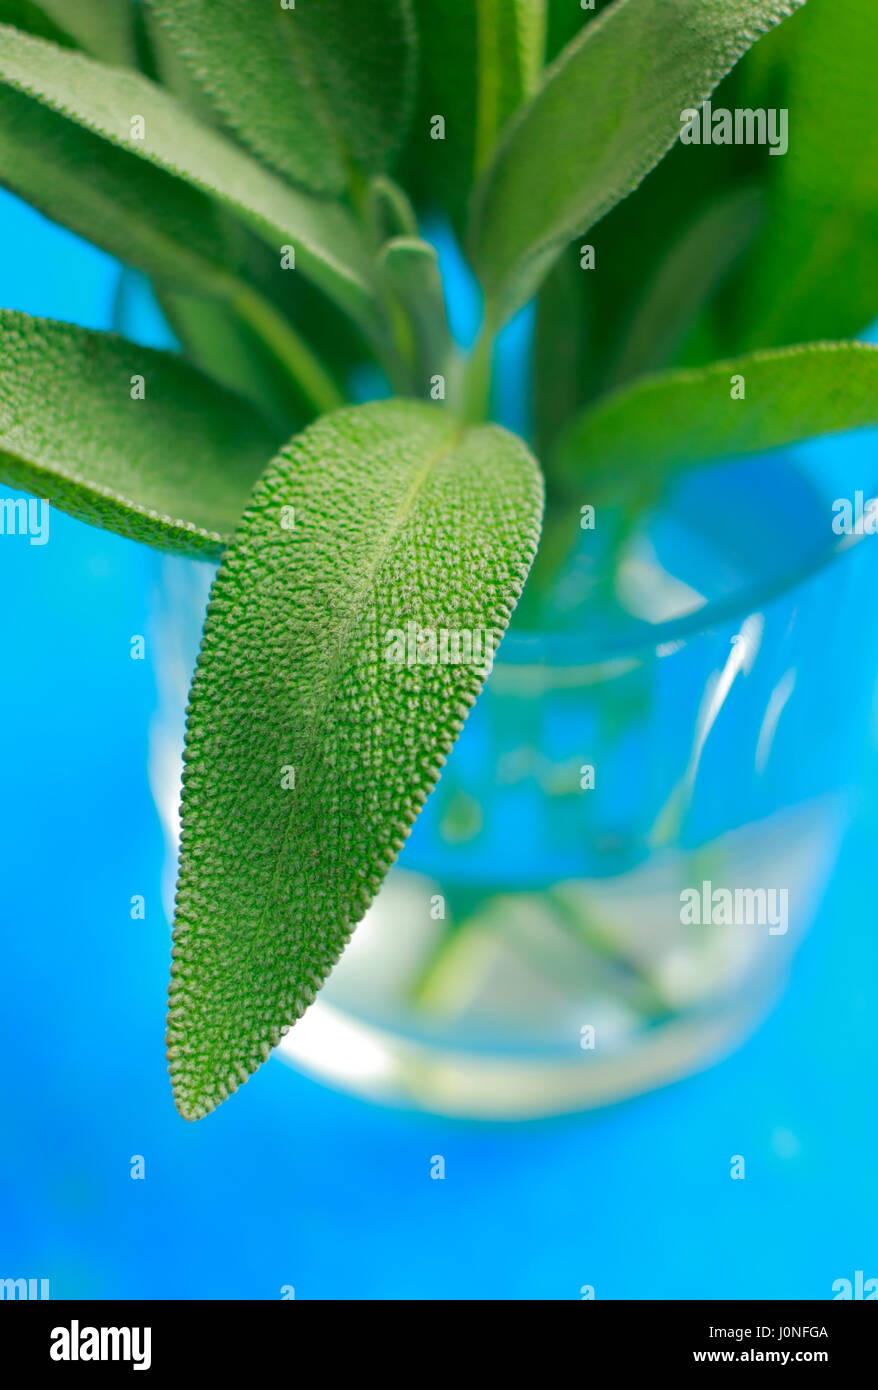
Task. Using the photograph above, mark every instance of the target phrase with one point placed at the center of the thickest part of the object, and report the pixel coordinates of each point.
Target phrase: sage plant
(274, 167)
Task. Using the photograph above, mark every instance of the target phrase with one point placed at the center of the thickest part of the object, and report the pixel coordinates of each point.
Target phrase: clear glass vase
(637, 824)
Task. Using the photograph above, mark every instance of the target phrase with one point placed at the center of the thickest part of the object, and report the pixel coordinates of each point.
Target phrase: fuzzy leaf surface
(607, 111)
(309, 753)
(173, 470)
(307, 89)
(73, 94)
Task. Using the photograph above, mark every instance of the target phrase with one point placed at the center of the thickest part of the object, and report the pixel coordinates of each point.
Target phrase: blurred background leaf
(782, 284)
(310, 90)
(606, 113)
(636, 438)
(105, 101)
(104, 28)
(479, 59)
(172, 468)
(813, 271)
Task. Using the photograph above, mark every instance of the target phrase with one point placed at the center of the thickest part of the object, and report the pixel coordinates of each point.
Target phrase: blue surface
(291, 1183)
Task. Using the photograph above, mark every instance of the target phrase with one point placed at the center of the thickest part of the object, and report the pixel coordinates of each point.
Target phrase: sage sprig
(275, 170)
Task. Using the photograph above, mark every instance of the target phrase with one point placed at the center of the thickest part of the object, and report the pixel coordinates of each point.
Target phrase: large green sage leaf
(650, 429)
(168, 229)
(162, 226)
(309, 89)
(143, 129)
(607, 111)
(314, 731)
(124, 437)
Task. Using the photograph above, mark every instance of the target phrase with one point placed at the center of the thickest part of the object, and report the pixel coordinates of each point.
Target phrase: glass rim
(556, 648)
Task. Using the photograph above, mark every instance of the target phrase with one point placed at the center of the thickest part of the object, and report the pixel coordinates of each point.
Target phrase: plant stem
(304, 367)
(477, 381)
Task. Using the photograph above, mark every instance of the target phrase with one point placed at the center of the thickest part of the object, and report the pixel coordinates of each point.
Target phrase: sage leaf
(143, 128)
(649, 430)
(310, 90)
(309, 751)
(637, 246)
(607, 111)
(124, 437)
(814, 270)
(104, 28)
(30, 16)
(163, 227)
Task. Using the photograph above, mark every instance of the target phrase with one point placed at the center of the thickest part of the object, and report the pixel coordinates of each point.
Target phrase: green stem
(477, 381)
(399, 352)
(488, 94)
(278, 334)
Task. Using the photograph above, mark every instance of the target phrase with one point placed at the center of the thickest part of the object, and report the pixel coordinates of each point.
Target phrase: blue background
(291, 1183)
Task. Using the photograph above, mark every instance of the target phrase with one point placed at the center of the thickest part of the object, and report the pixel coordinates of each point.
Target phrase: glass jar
(637, 825)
